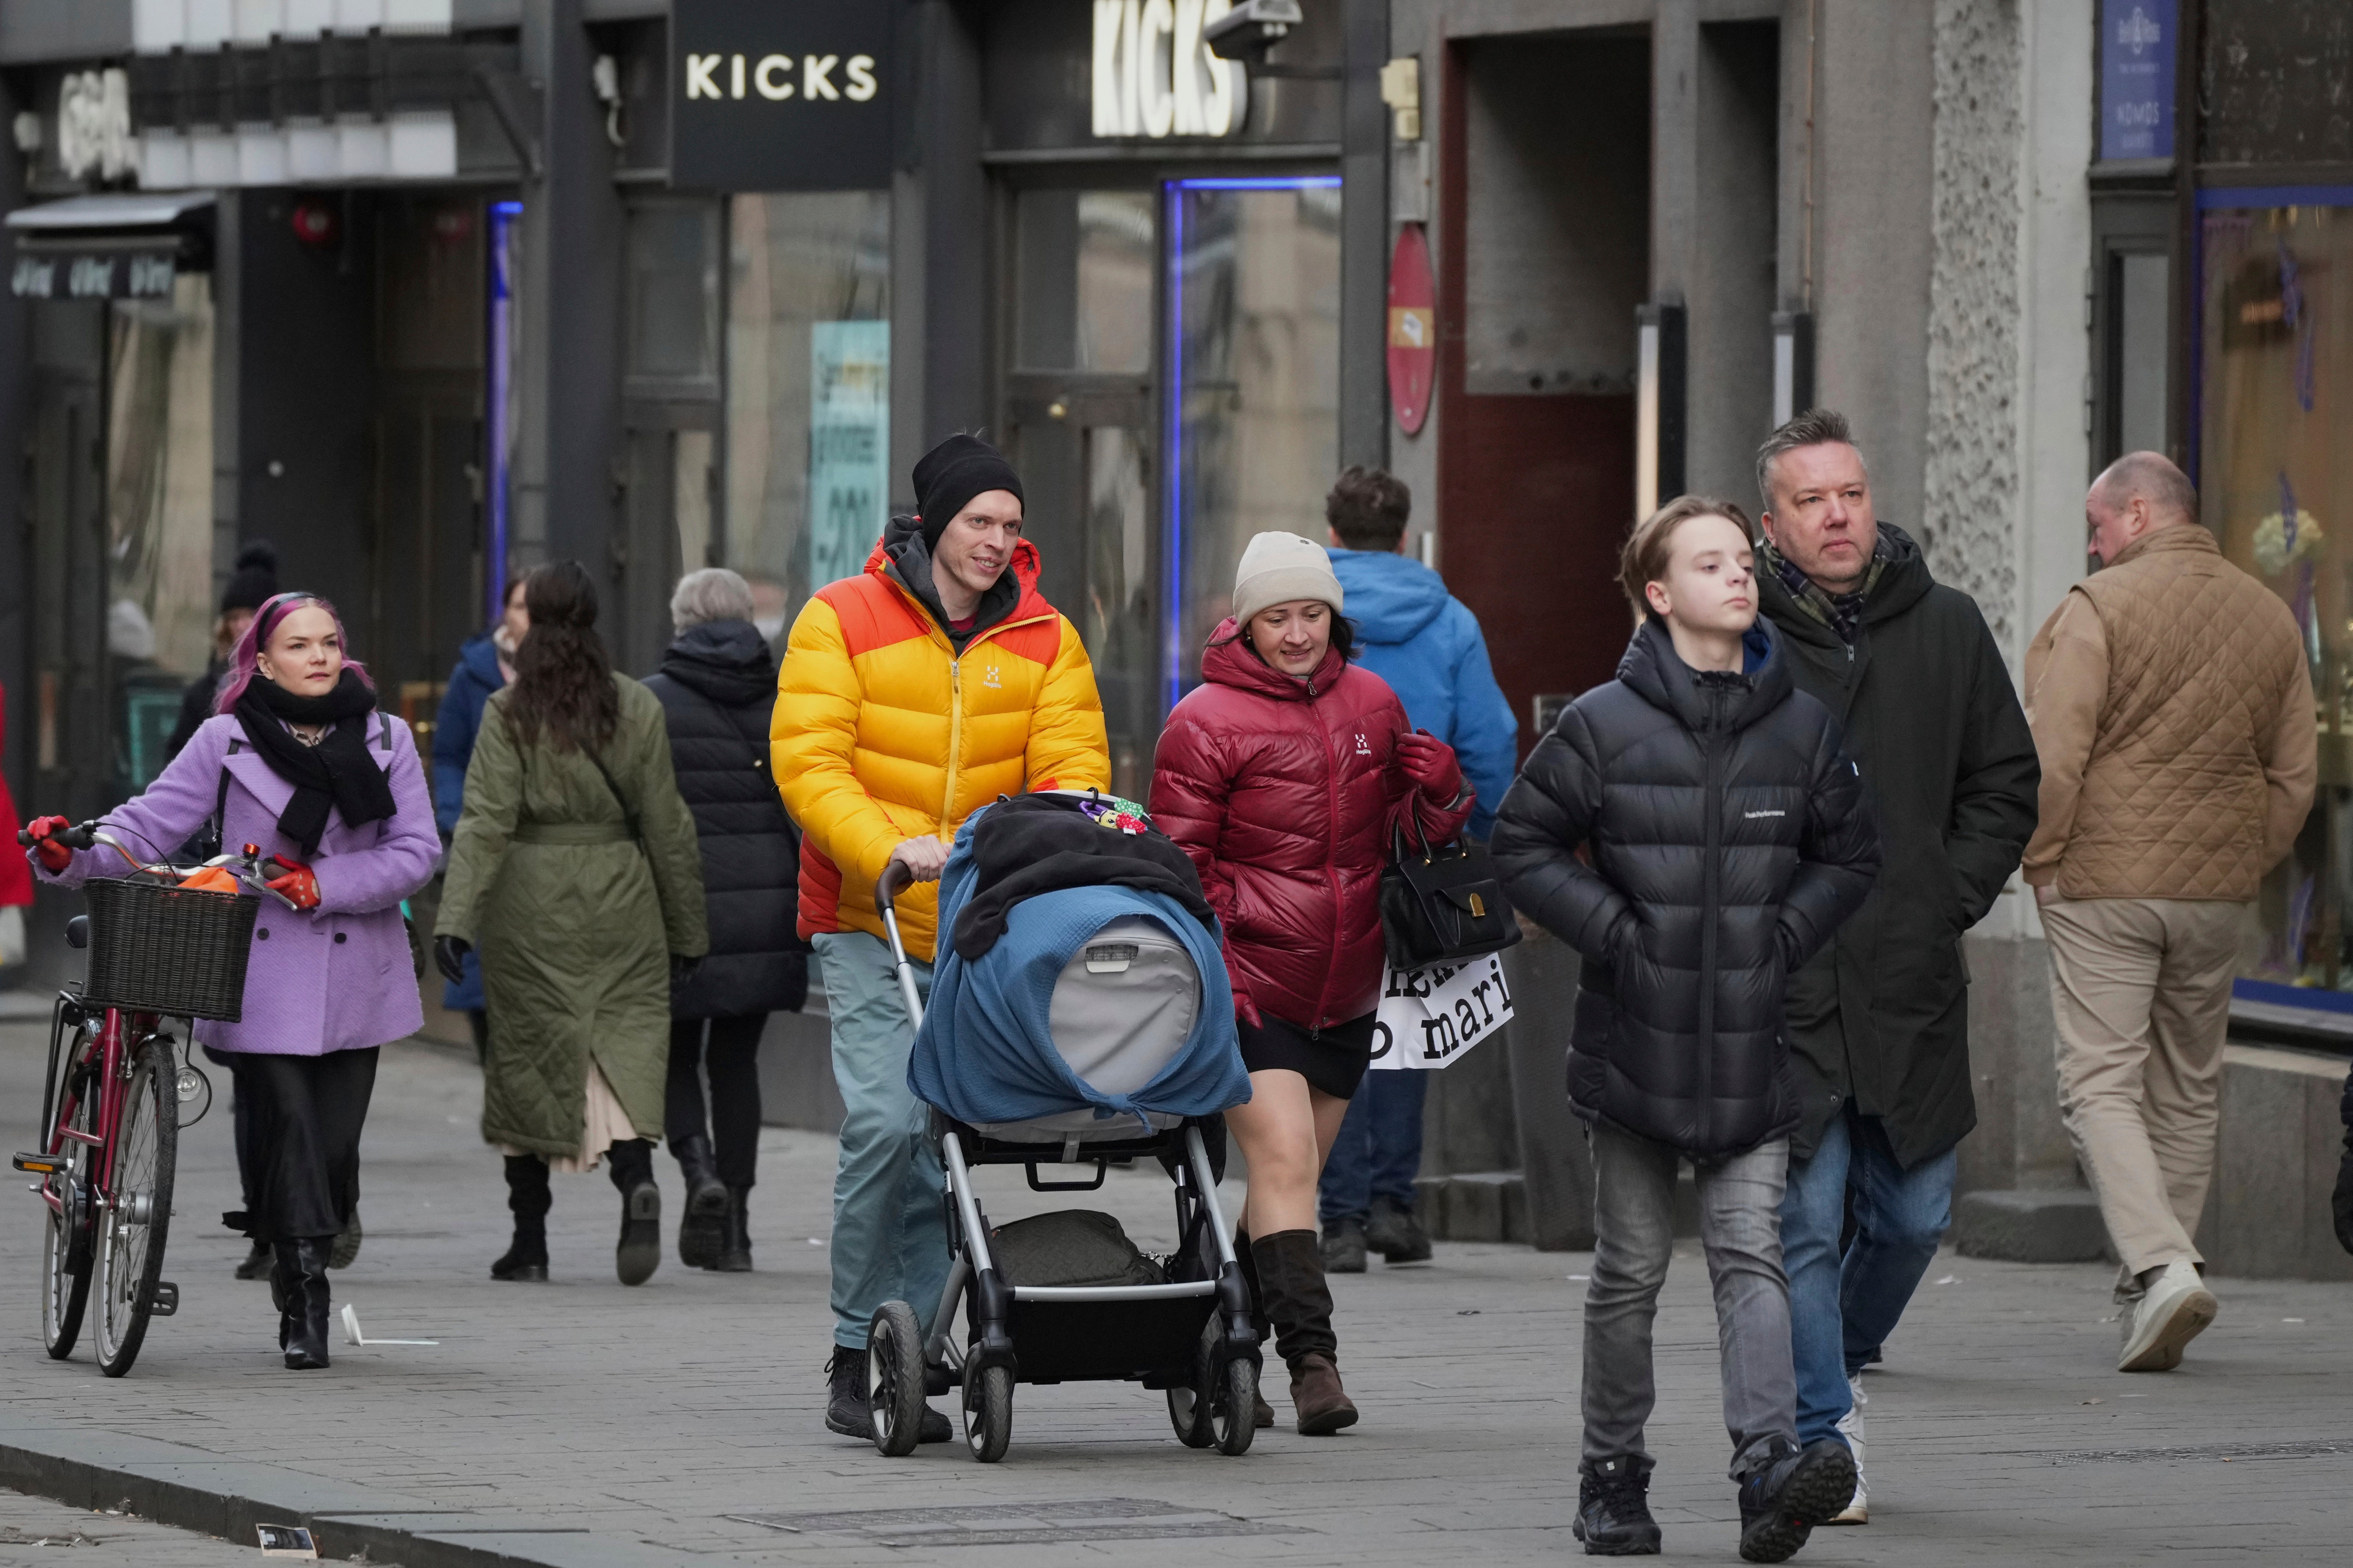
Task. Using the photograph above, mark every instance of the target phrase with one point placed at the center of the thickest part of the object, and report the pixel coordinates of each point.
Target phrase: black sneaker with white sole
(1782, 1501)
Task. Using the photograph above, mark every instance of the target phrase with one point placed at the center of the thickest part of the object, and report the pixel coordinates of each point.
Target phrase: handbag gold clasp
(1478, 908)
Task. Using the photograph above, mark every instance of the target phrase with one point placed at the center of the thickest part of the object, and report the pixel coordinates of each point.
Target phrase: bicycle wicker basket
(181, 951)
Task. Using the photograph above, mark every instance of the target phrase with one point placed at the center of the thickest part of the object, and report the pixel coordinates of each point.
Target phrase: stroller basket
(181, 951)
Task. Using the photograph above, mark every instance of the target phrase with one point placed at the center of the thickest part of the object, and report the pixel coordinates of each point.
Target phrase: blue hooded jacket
(454, 729)
(1427, 644)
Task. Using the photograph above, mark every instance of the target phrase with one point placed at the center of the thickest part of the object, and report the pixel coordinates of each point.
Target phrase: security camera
(1250, 28)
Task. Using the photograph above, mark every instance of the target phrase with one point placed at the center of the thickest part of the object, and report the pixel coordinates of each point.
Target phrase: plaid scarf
(1842, 613)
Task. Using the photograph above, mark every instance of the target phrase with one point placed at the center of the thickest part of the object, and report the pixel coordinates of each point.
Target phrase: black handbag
(1443, 905)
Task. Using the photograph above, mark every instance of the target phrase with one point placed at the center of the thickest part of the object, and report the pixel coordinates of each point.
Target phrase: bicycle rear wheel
(66, 1247)
(131, 1229)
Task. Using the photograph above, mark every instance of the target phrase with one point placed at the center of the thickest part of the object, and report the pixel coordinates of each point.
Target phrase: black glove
(2341, 1202)
(682, 968)
(449, 957)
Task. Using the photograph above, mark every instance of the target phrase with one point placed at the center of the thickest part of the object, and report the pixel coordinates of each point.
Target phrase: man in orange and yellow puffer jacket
(908, 697)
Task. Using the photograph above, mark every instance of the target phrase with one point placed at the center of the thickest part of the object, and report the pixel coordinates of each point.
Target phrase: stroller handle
(895, 880)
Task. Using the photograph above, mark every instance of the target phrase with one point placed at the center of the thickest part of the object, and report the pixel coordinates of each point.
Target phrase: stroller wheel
(1188, 1413)
(989, 1412)
(1230, 1424)
(894, 1378)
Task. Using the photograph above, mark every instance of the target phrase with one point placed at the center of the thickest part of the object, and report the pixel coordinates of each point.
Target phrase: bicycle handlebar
(82, 837)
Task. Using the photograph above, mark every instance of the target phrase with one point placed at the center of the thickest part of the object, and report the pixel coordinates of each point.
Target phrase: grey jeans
(1634, 1233)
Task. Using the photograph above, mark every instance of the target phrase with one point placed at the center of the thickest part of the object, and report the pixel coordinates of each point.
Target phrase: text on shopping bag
(1429, 1016)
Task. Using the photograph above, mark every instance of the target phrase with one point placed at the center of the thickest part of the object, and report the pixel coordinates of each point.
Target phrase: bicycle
(169, 941)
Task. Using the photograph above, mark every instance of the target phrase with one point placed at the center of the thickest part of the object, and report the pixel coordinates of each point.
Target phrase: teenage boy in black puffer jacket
(1728, 837)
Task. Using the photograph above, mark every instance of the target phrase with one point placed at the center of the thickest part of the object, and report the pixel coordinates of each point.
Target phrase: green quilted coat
(574, 922)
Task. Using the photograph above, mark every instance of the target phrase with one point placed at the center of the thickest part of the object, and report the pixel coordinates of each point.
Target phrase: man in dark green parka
(1878, 1024)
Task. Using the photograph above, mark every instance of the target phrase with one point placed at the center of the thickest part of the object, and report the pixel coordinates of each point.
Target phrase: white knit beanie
(1277, 568)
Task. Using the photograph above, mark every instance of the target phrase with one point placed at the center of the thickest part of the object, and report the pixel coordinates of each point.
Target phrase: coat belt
(573, 833)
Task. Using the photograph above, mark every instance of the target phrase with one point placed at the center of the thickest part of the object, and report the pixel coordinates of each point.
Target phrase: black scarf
(337, 773)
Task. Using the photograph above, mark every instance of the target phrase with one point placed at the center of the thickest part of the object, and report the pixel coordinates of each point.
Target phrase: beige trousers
(2141, 991)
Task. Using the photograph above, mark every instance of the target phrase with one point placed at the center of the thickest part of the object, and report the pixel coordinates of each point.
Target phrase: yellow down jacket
(883, 733)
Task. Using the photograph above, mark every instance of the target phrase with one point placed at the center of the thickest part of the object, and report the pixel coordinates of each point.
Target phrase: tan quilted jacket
(2173, 714)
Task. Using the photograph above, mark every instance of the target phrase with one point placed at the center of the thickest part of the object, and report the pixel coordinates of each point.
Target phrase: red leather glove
(54, 857)
(1430, 762)
(296, 886)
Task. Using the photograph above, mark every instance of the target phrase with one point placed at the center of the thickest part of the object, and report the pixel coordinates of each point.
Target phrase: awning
(113, 246)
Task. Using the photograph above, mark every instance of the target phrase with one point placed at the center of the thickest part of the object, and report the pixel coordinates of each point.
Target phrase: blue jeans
(1378, 1151)
(1843, 1307)
(890, 1234)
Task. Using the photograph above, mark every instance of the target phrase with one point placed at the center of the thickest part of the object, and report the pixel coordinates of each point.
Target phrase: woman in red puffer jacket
(1284, 777)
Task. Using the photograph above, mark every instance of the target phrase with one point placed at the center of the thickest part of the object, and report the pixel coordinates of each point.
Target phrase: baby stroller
(1135, 1013)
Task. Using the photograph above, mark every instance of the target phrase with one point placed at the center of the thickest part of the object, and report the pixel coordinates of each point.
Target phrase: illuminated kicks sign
(769, 97)
(1154, 75)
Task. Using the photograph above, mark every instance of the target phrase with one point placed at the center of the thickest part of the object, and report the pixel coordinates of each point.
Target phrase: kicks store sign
(771, 97)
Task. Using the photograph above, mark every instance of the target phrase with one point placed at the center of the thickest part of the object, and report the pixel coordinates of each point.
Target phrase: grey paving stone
(649, 1421)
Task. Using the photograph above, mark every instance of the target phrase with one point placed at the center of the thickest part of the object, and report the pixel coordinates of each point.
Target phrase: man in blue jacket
(1427, 644)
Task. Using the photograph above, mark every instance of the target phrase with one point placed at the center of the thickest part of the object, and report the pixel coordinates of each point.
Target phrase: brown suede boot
(1323, 1404)
(1299, 1303)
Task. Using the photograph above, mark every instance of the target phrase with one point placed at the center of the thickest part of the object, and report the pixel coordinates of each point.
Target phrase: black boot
(527, 1196)
(303, 1325)
(1394, 1232)
(846, 1410)
(702, 1227)
(1613, 1509)
(1343, 1245)
(639, 1251)
(1298, 1299)
(347, 1244)
(257, 1262)
(735, 1250)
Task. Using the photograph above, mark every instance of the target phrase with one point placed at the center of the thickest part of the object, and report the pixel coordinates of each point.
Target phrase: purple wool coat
(337, 978)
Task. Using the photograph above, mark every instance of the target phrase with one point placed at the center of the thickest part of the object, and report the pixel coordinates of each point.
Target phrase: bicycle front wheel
(131, 1226)
(66, 1245)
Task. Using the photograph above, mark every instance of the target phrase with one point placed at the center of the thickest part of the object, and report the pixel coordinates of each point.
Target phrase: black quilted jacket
(717, 683)
(1728, 836)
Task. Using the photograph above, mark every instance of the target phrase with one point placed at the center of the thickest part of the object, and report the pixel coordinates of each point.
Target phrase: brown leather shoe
(1261, 1412)
(1315, 1393)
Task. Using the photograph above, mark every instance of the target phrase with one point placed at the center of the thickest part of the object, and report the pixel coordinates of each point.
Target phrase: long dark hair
(563, 679)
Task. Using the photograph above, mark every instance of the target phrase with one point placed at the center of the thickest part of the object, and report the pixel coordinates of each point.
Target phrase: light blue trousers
(890, 1235)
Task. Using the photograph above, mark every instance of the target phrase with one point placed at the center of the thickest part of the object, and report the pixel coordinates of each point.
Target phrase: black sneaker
(1613, 1509)
(1394, 1232)
(1782, 1499)
(848, 1411)
(1344, 1247)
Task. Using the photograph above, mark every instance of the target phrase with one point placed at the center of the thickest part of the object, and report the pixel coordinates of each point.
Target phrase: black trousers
(731, 1057)
(299, 1139)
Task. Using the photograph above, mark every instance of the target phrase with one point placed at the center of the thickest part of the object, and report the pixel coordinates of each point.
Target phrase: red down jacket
(1283, 793)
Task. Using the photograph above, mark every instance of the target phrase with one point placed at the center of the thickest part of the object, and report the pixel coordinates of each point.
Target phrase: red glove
(54, 857)
(1430, 762)
(296, 886)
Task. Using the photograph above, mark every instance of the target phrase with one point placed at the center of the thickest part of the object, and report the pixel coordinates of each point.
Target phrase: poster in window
(850, 444)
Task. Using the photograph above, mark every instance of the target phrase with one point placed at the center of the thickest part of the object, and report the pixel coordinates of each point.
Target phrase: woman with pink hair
(298, 761)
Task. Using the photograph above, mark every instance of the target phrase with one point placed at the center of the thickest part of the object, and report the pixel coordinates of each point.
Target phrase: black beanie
(254, 583)
(951, 474)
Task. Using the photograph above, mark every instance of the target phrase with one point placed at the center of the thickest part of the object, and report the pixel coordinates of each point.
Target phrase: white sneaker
(2175, 1308)
(1850, 1426)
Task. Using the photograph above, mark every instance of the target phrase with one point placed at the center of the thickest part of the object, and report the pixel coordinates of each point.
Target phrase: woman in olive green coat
(575, 871)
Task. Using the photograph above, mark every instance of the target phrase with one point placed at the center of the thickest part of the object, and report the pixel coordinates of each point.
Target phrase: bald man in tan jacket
(2172, 710)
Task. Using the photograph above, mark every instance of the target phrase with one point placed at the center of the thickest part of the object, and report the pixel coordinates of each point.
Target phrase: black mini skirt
(1332, 1058)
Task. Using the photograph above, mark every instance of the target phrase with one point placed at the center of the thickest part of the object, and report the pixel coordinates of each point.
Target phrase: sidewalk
(580, 1423)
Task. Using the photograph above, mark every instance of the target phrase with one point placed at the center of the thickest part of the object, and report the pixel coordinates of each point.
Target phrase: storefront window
(808, 390)
(159, 514)
(2276, 484)
(1255, 265)
(1084, 280)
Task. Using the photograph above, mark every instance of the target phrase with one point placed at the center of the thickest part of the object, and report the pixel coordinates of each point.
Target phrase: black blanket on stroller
(1035, 843)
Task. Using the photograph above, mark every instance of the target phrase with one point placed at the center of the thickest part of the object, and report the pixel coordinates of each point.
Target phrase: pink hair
(245, 660)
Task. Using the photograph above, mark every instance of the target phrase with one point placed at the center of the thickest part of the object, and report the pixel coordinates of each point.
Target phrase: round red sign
(1413, 330)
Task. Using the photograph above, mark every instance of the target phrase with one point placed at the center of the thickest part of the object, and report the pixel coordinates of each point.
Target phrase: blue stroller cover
(985, 1052)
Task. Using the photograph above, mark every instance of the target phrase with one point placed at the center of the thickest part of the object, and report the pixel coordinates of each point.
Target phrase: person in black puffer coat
(1728, 839)
(717, 684)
